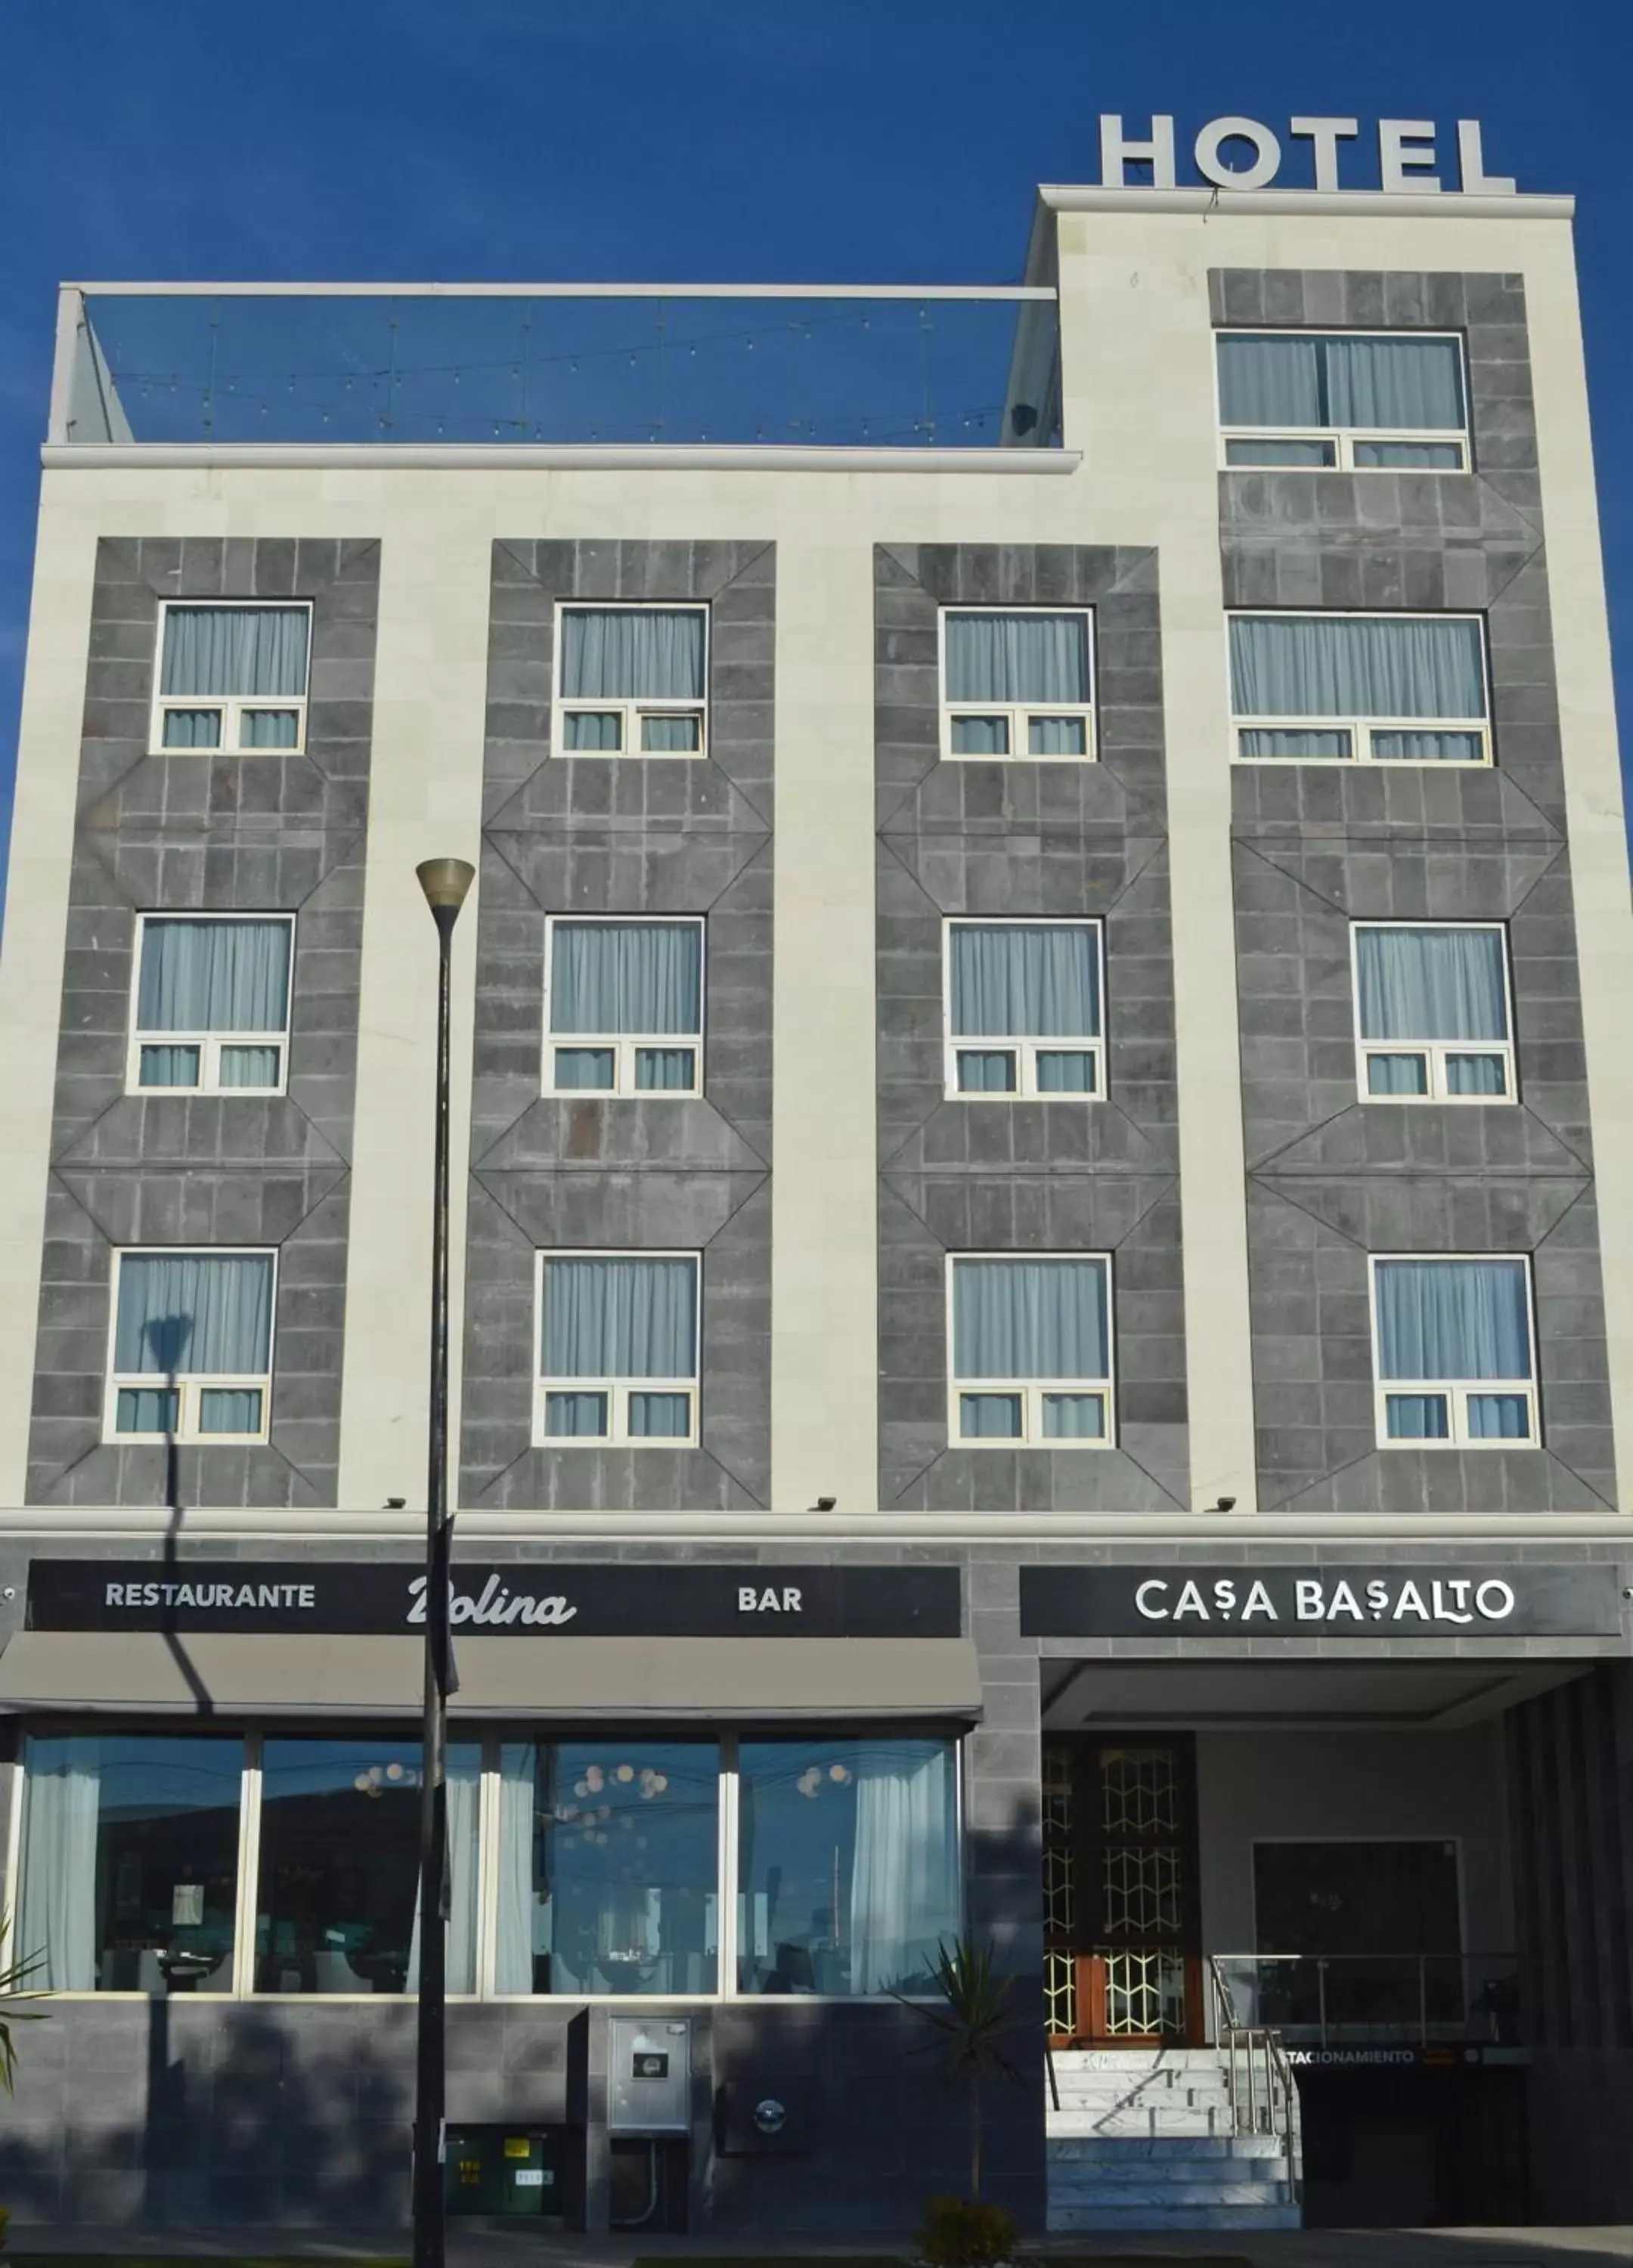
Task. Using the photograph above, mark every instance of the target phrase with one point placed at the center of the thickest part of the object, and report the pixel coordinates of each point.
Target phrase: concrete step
(1080, 2097)
(1166, 2196)
(1163, 2149)
(1135, 2058)
(1158, 2219)
(1110, 2120)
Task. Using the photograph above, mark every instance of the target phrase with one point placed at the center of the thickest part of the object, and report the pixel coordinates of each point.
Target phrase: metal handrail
(1259, 2087)
(1487, 1988)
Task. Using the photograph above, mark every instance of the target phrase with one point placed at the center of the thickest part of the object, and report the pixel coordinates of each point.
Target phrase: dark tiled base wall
(186, 2114)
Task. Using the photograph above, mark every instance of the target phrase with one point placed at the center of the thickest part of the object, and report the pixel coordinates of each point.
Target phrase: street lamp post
(444, 882)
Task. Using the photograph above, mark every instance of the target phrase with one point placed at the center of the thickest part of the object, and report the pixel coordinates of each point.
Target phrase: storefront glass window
(338, 1904)
(848, 1863)
(130, 1866)
(608, 1866)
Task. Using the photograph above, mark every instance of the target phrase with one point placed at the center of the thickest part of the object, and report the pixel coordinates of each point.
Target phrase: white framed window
(1350, 401)
(623, 1005)
(1433, 1012)
(1031, 1350)
(1018, 681)
(618, 1338)
(190, 1346)
(1359, 689)
(631, 680)
(1454, 1351)
(1022, 1008)
(231, 677)
(210, 1006)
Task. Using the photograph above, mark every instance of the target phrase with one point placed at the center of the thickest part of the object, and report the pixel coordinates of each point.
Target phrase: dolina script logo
(494, 1607)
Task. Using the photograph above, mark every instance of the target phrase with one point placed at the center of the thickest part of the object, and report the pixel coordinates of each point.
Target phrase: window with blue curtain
(182, 1319)
(207, 978)
(1017, 684)
(618, 1320)
(1019, 1326)
(1332, 391)
(623, 984)
(1359, 667)
(233, 677)
(1453, 1324)
(1029, 982)
(633, 679)
(1432, 1009)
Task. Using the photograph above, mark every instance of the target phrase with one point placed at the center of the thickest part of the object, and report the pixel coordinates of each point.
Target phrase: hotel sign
(1240, 153)
(1320, 1600)
(519, 1598)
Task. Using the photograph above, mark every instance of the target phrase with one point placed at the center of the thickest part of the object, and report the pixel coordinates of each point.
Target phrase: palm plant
(975, 2019)
(13, 1978)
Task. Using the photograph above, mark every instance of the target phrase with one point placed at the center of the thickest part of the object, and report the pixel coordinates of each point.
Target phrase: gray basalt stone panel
(576, 835)
(187, 833)
(1025, 839)
(1332, 1174)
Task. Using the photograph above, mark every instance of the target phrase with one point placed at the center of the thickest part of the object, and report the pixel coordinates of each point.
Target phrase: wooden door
(1123, 1927)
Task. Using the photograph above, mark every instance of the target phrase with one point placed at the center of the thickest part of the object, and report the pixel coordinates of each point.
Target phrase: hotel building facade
(1043, 1228)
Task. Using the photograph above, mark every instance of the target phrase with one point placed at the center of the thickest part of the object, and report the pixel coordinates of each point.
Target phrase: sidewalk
(494, 2246)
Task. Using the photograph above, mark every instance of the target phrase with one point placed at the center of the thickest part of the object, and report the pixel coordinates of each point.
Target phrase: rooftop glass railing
(576, 365)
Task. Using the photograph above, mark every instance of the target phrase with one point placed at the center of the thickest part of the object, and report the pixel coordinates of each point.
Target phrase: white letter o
(1213, 167)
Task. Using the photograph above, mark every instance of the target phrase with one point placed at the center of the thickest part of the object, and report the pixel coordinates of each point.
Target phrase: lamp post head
(444, 882)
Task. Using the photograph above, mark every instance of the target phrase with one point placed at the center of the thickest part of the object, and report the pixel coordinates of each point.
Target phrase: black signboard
(1256, 1600)
(519, 1598)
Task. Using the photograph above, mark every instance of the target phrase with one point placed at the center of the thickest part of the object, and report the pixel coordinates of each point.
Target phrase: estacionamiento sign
(520, 1598)
(1409, 157)
(1515, 1601)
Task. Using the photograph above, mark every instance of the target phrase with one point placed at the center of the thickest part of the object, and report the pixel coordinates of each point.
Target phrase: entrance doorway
(1122, 1913)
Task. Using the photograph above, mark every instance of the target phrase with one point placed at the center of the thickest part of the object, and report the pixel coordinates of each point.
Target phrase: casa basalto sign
(1240, 153)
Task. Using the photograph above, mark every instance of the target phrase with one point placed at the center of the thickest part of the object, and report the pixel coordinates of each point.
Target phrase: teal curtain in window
(1017, 658)
(1452, 1319)
(632, 653)
(268, 728)
(1298, 378)
(191, 728)
(1030, 1319)
(219, 650)
(195, 1312)
(249, 1067)
(1431, 984)
(1272, 381)
(1356, 666)
(213, 976)
(611, 1317)
(626, 976)
(1025, 980)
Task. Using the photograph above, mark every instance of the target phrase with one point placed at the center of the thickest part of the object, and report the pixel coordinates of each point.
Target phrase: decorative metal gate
(1122, 1944)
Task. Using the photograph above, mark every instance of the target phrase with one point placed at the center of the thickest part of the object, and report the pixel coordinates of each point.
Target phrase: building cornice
(1025, 1534)
(1324, 205)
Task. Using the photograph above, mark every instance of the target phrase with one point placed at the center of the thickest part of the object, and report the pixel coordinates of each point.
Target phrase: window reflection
(606, 1867)
(848, 1863)
(130, 1873)
(337, 1908)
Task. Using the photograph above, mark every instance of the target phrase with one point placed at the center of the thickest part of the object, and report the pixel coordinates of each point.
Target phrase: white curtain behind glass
(217, 651)
(464, 1796)
(1431, 984)
(195, 1313)
(1355, 665)
(1035, 658)
(1452, 1319)
(213, 976)
(58, 1907)
(1029, 1319)
(904, 1890)
(517, 1781)
(1030, 980)
(625, 976)
(618, 1318)
(632, 654)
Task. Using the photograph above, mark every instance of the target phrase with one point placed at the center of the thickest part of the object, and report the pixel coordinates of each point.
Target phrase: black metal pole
(431, 2066)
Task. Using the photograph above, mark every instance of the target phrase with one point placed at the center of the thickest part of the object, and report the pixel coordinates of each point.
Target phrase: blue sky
(786, 140)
